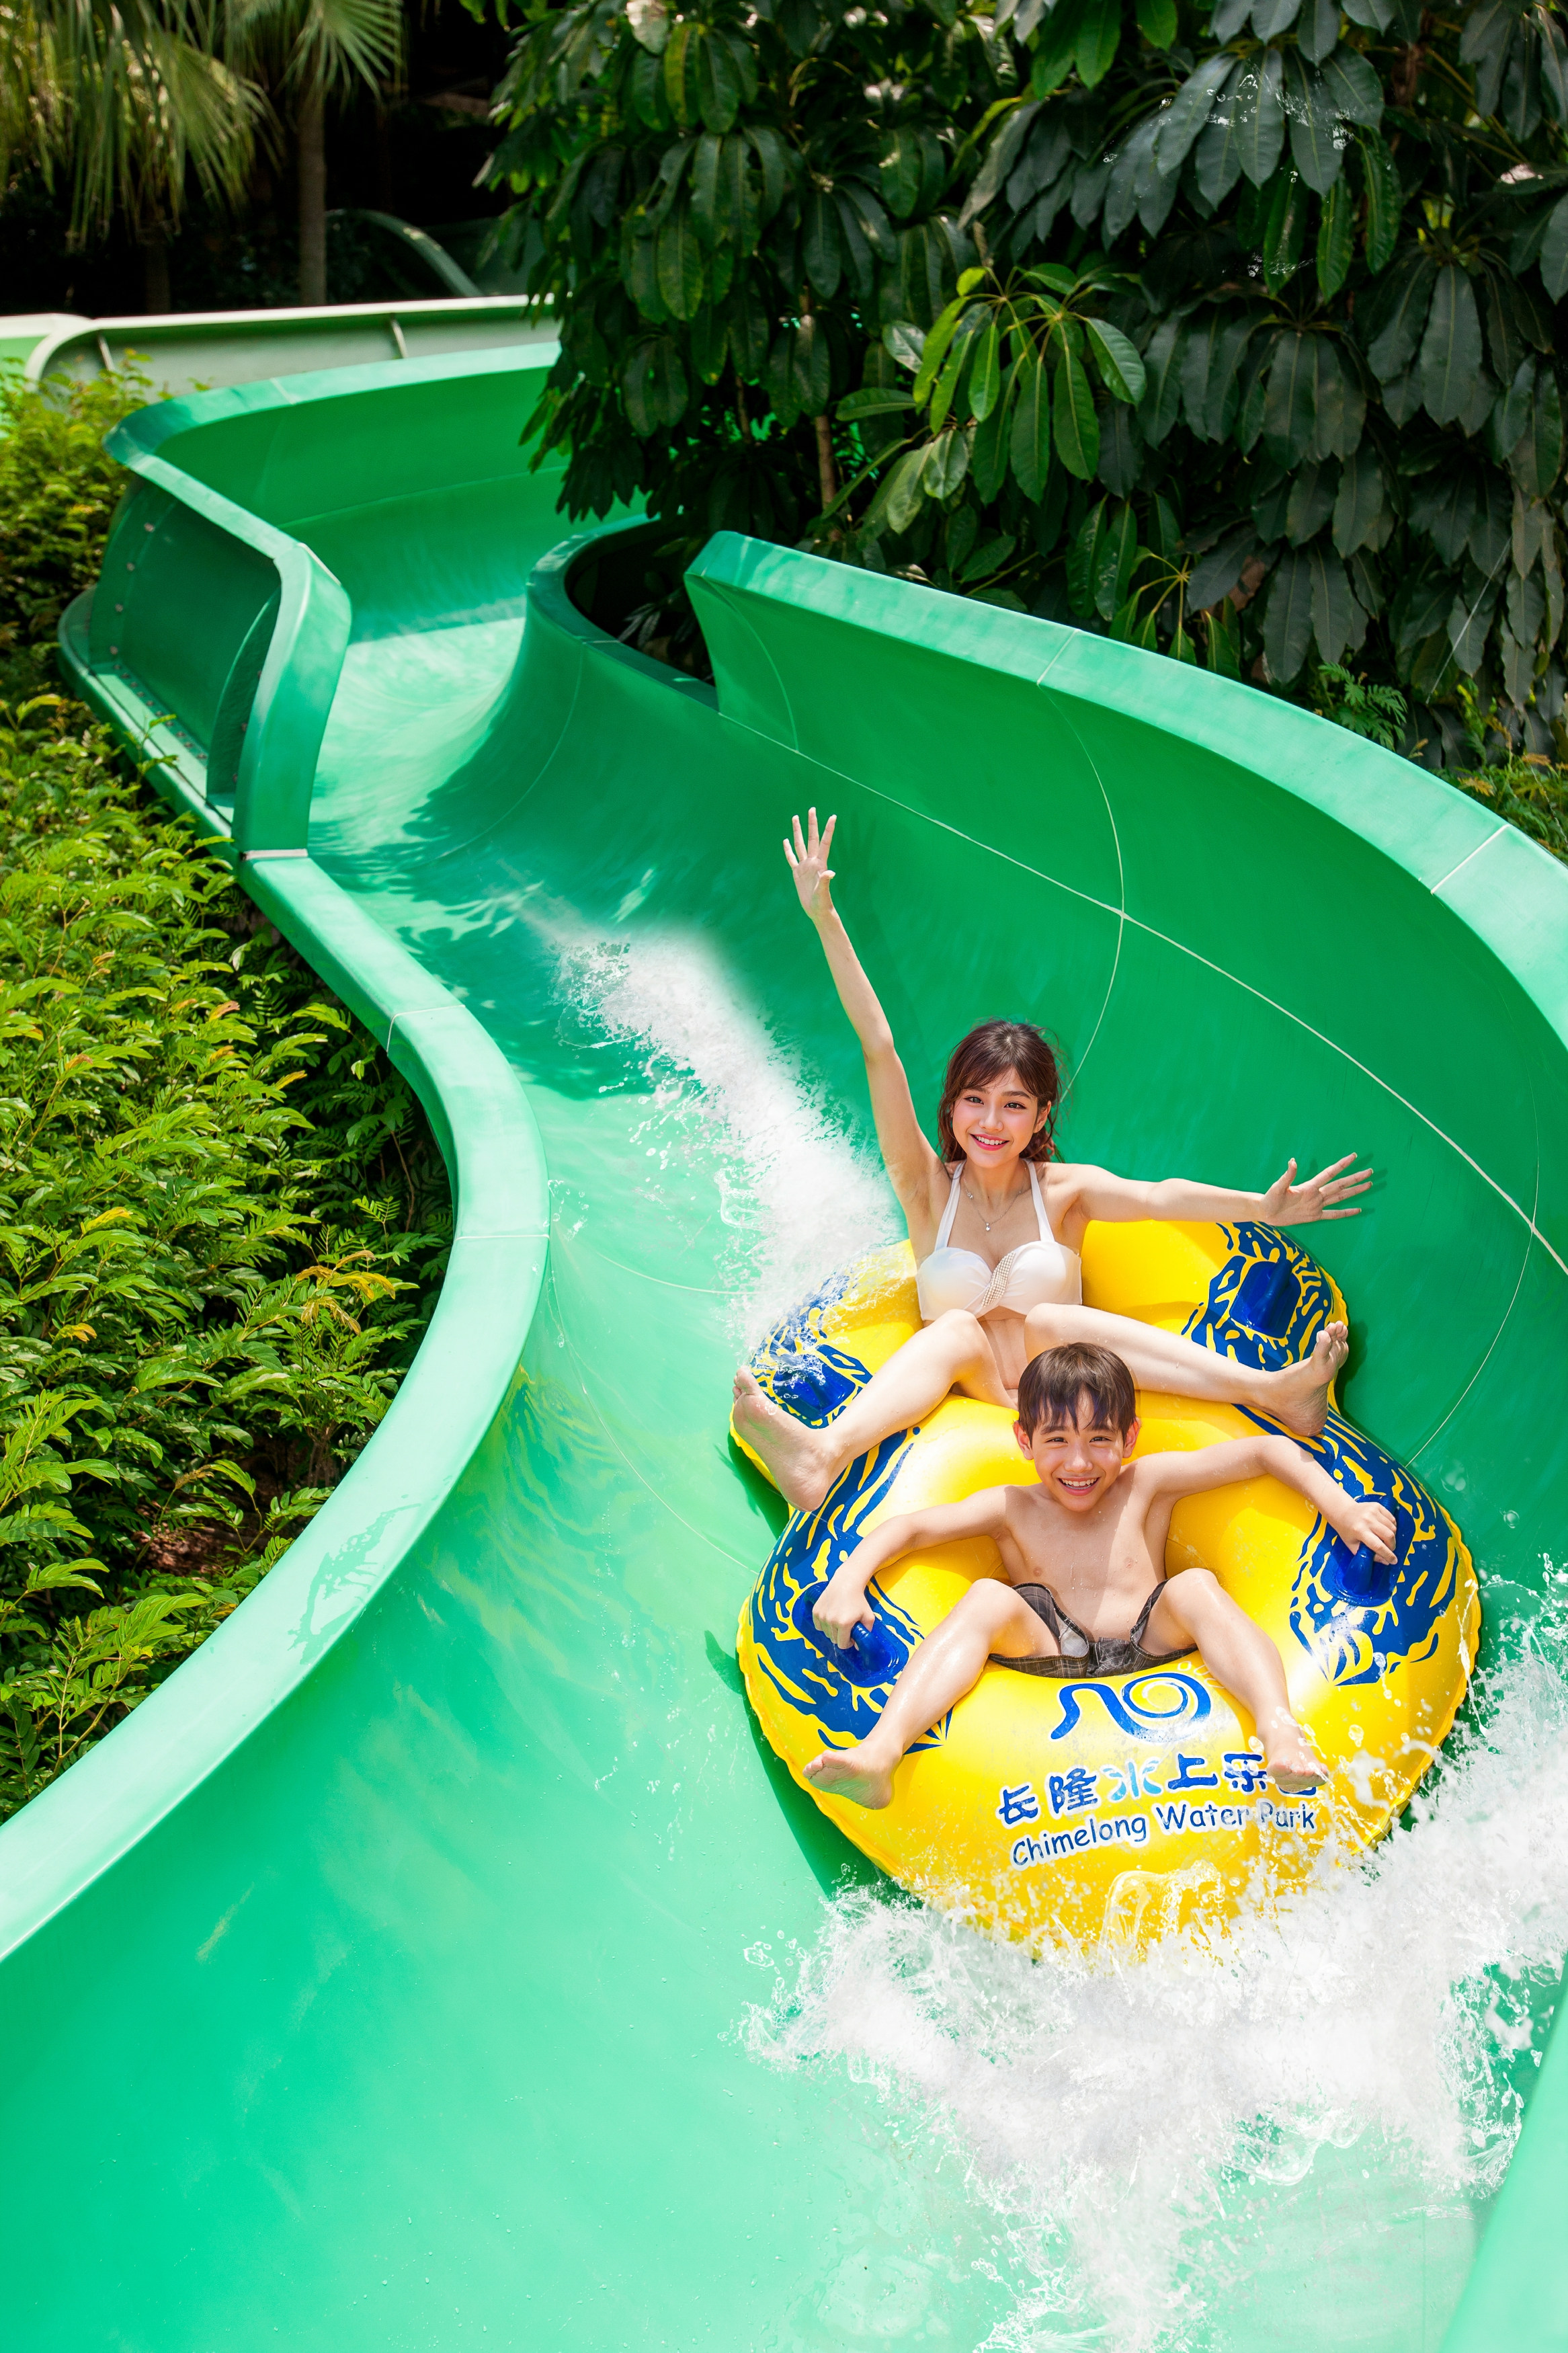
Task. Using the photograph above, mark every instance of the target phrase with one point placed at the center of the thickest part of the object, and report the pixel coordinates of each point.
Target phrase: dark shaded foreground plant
(1232, 330)
(222, 1225)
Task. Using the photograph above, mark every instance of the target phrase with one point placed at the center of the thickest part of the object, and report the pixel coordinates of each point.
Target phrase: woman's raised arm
(911, 1165)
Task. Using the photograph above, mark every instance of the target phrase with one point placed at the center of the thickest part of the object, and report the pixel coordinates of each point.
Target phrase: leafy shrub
(222, 1223)
(223, 1219)
(58, 490)
(1530, 792)
(1232, 330)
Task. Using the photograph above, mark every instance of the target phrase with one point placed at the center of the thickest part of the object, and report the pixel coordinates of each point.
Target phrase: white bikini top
(1036, 1275)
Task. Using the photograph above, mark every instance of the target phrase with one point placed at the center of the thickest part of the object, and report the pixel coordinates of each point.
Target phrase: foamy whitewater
(1102, 2119)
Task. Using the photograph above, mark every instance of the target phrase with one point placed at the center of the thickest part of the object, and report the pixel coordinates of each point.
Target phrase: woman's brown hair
(989, 1052)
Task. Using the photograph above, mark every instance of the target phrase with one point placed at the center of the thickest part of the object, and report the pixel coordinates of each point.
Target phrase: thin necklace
(1001, 1213)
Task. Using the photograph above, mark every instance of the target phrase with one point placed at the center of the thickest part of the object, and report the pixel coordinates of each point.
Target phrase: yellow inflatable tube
(1111, 1810)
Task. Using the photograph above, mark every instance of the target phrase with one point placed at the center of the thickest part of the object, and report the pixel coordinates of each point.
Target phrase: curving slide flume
(382, 1981)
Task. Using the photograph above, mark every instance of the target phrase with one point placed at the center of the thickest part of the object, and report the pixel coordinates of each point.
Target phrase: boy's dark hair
(1053, 1383)
(989, 1053)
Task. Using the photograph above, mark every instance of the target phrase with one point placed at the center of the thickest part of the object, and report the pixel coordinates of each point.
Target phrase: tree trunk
(827, 472)
(156, 299)
(312, 134)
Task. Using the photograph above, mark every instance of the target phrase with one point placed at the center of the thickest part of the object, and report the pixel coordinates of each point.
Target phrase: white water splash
(802, 1200)
(1108, 2120)
(1141, 2144)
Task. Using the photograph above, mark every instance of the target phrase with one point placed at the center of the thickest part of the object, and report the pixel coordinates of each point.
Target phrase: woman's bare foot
(802, 1463)
(1299, 1396)
(858, 1773)
(1291, 1757)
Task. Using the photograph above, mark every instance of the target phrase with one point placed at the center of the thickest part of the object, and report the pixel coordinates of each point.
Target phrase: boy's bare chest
(1106, 1554)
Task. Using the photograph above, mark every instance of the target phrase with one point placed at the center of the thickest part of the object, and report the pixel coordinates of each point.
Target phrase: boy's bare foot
(1291, 1757)
(1299, 1396)
(802, 1463)
(853, 1773)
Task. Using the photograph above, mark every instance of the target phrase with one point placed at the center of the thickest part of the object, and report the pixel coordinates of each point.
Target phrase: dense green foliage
(1230, 330)
(58, 490)
(222, 1219)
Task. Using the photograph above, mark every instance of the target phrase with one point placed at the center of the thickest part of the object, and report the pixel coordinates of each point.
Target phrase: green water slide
(399, 1975)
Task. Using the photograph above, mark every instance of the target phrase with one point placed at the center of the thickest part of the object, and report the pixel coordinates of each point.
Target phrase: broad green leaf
(1333, 606)
(1444, 507)
(1116, 356)
(1526, 606)
(902, 495)
(680, 263)
(1486, 44)
(1272, 17)
(1000, 158)
(1217, 155)
(1162, 394)
(1259, 116)
(1077, 425)
(820, 249)
(1221, 642)
(750, 329)
(718, 84)
(1489, 533)
(1451, 346)
(649, 22)
(1053, 278)
(709, 344)
(1219, 569)
(1351, 87)
(1115, 558)
(681, 59)
(639, 274)
(935, 350)
(875, 226)
(1359, 501)
(899, 168)
(1339, 402)
(946, 390)
(1469, 621)
(906, 343)
(1314, 148)
(1385, 201)
(1285, 232)
(1057, 46)
(1537, 458)
(1100, 31)
(858, 266)
(811, 366)
(1228, 18)
(1082, 558)
(1288, 618)
(872, 400)
(1157, 22)
(705, 187)
(1212, 349)
(1291, 408)
(946, 463)
(1319, 29)
(986, 381)
(1189, 111)
(1310, 503)
(992, 440)
(773, 156)
(1030, 444)
(1554, 251)
(1404, 318)
(1121, 466)
(1554, 67)
(1336, 238)
(989, 556)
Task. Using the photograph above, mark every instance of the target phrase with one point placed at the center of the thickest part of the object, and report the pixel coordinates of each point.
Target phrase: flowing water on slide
(1286, 2147)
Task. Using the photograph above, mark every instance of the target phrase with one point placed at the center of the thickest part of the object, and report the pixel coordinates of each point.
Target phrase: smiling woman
(997, 1226)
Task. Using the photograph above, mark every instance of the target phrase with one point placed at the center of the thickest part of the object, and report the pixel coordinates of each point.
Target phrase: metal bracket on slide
(248, 857)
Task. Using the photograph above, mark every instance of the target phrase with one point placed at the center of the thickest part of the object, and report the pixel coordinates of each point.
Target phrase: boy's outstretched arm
(1357, 1522)
(842, 1604)
(1100, 1193)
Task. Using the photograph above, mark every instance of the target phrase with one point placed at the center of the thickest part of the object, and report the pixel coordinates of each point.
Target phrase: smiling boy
(1083, 1556)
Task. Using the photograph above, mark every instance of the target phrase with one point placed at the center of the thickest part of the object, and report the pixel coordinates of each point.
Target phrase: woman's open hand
(808, 857)
(1286, 1203)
